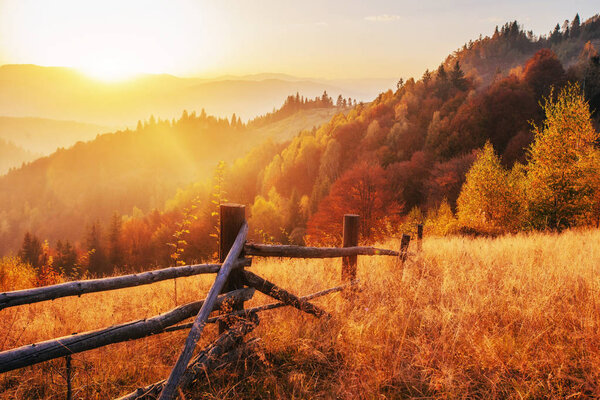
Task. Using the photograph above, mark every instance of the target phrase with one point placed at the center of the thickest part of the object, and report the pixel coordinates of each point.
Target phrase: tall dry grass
(511, 317)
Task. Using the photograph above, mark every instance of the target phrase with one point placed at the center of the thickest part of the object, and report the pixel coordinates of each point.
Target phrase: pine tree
(457, 77)
(426, 77)
(575, 26)
(31, 251)
(441, 73)
(97, 262)
(116, 254)
(66, 259)
(294, 215)
(555, 36)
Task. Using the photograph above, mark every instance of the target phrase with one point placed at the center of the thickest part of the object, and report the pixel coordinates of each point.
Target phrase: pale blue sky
(334, 39)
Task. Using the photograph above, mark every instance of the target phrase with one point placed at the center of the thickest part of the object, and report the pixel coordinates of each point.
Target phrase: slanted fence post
(232, 217)
(419, 237)
(351, 223)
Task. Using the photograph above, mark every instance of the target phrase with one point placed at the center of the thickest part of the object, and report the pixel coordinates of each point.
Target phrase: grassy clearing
(511, 317)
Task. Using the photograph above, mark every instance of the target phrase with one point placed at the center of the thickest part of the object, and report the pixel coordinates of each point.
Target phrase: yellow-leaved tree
(564, 164)
(490, 200)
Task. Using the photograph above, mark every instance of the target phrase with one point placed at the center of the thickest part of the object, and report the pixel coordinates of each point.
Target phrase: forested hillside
(59, 196)
(12, 156)
(408, 151)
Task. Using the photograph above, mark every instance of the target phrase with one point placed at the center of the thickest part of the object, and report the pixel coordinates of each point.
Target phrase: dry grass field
(512, 317)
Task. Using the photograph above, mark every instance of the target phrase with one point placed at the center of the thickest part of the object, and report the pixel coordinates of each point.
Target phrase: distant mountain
(12, 156)
(66, 94)
(44, 136)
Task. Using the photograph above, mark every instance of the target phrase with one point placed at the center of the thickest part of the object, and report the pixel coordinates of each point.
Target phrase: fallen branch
(55, 348)
(268, 250)
(77, 288)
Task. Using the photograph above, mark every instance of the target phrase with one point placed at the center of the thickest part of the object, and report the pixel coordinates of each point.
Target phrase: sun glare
(110, 72)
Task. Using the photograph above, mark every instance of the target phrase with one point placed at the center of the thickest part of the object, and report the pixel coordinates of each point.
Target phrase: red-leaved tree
(361, 190)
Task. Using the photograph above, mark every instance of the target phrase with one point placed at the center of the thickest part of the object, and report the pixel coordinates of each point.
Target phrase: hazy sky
(334, 39)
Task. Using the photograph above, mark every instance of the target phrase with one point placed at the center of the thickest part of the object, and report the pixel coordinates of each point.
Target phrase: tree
(66, 258)
(426, 77)
(31, 251)
(488, 202)
(542, 71)
(555, 36)
(294, 215)
(361, 190)
(400, 84)
(441, 73)
(575, 26)
(116, 255)
(97, 261)
(457, 77)
(563, 162)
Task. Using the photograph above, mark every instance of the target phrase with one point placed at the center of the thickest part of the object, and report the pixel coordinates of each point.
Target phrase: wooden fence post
(404, 247)
(68, 377)
(232, 217)
(419, 237)
(351, 223)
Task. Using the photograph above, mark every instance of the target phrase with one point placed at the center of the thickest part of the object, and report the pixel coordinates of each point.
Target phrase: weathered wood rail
(55, 348)
(269, 250)
(77, 288)
(233, 286)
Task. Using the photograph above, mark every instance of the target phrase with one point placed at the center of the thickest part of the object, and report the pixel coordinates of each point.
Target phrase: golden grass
(511, 317)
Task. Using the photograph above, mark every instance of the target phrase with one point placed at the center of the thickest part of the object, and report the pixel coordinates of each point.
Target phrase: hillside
(12, 156)
(128, 170)
(510, 46)
(65, 94)
(44, 136)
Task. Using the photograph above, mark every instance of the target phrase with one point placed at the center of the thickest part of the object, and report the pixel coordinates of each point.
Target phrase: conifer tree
(97, 262)
(31, 250)
(575, 26)
(116, 254)
(457, 77)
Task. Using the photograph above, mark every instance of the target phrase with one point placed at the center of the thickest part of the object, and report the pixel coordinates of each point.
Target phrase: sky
(321, 39)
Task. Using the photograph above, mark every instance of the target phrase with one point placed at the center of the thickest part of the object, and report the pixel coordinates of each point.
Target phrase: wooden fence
(233, 286)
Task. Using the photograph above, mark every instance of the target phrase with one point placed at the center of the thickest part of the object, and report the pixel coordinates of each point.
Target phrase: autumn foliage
(361, 190)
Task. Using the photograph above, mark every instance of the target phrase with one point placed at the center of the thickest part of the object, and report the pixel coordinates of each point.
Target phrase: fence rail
(60, 347)
(233, 285)
(268, 250)
(77, 288)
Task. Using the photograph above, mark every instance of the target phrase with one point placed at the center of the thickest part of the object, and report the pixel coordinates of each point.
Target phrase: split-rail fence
(233, 286)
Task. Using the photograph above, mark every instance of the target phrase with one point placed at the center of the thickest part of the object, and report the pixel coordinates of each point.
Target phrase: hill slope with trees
(57, 196)
(396, 159)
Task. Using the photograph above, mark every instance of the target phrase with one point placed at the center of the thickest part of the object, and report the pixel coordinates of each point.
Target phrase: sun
(110, 71)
